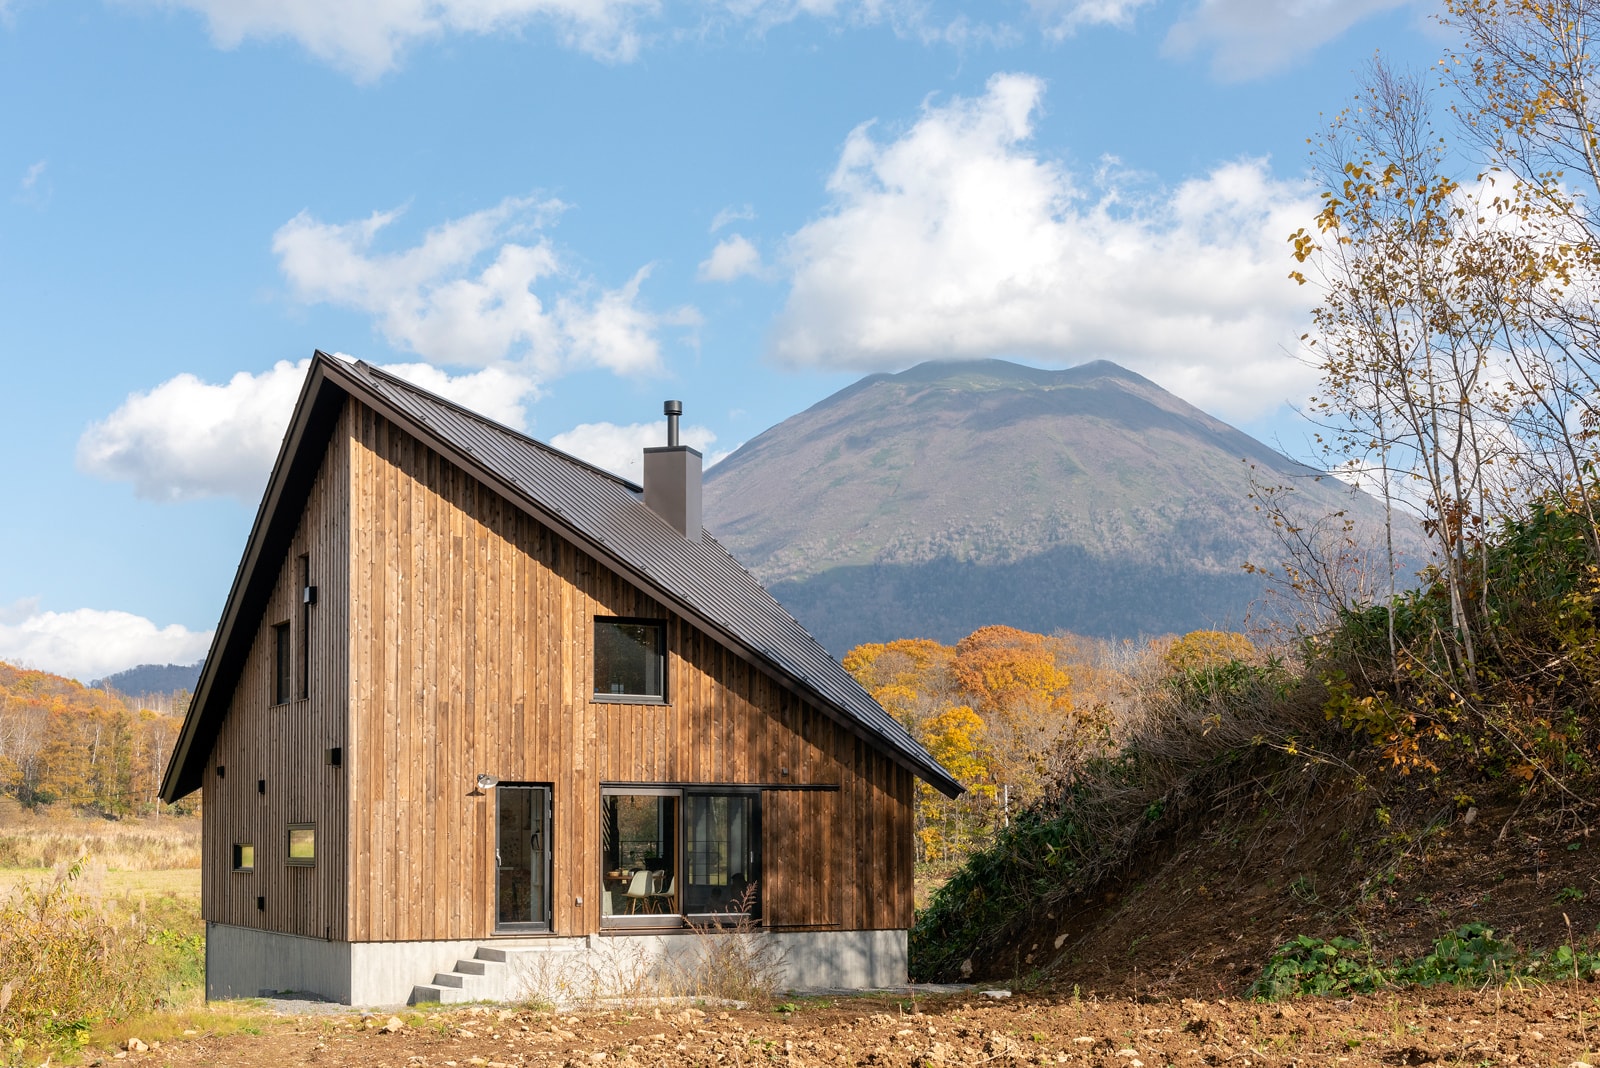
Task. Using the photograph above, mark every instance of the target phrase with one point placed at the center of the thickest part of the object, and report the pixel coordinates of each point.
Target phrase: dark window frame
(282, 667)
(679, 868)
(288, 841)
(661, 653)
(239, 865)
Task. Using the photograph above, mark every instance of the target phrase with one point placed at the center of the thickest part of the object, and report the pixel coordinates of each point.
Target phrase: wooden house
(472, 697)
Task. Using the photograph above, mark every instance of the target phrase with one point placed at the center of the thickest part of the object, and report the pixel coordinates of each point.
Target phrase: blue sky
(563, 211)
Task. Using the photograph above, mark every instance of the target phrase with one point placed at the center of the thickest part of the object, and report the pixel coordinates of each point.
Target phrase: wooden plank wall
(799, 880)
(472, 648)
(284, 744)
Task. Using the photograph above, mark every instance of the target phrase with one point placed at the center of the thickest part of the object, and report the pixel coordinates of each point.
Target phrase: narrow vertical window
(308, 597)
(280, 666)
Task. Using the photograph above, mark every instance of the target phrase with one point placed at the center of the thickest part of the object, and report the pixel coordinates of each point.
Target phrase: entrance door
(522, 858)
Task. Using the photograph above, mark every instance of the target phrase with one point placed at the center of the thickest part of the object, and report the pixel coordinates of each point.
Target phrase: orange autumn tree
(1020, 685)
(996, 709)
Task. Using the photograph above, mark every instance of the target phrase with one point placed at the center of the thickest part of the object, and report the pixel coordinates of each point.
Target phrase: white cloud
(955, 240)
(89, 643)
(734, 257)
(188, 438)
(732, 215)
(366, 37)
(1247, 38)
(496, 392)
(620, 449)
(1061, 18)
(31, 176)
(465, 293)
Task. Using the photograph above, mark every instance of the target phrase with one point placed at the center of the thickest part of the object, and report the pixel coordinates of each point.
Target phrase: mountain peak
(955, 494)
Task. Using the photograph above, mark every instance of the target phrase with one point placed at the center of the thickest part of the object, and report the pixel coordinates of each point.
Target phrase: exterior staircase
(490, 975)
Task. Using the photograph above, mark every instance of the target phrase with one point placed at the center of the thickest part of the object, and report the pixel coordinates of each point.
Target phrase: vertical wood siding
(467, 631)
(284, 744)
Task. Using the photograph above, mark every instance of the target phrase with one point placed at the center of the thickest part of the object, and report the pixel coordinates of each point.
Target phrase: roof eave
(183, 775)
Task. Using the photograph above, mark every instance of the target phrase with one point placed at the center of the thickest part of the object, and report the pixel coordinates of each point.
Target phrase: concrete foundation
(241, 962)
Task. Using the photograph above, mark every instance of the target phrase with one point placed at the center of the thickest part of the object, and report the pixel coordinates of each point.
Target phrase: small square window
(630, 660)
(244, 856)
(303, 844)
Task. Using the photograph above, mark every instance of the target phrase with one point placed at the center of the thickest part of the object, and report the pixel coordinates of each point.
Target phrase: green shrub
(1314, 966)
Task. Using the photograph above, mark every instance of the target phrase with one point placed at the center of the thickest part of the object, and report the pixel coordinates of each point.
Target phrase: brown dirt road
(1555, 1025)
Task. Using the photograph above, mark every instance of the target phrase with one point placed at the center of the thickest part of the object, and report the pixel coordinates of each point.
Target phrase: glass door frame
(679, 831)
(751, 868)
(546, 862)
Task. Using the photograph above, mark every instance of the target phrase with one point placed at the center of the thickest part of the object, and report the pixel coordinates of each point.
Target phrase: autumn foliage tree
(997, 709)
(1457, 263)
(61, 742)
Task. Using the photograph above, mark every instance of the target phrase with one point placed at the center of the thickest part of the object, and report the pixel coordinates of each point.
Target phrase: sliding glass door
(670, 853)
(720, 854)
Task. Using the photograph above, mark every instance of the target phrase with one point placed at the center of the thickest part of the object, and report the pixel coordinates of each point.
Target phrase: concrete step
(444, 995)
(487, 975)
(481, 967)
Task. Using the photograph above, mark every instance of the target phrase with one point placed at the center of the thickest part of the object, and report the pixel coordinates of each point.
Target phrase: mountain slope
(953, 495)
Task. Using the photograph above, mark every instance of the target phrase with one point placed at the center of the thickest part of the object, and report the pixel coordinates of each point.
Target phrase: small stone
(966, 968)
(1534, 1036)
(120, 1054)
(996, 994)
(1084, 1040)
(1128, 1053)
(190, 1031)
(464, 1033)
(133, 1045)
(393, 1024)
(1061, 939)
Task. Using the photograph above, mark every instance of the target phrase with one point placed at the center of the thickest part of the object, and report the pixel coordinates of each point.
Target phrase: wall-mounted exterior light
(487, 782)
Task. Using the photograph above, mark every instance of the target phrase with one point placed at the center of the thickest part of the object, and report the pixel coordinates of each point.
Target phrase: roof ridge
(478, 417)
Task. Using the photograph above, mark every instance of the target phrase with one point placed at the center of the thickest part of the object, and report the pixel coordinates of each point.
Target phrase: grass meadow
(100, 931)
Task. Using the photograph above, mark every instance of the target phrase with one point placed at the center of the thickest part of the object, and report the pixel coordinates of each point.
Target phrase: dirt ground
(1552, 1025)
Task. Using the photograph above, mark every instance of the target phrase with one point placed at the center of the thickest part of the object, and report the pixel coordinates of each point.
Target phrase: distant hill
(152, 679)
(953, 495)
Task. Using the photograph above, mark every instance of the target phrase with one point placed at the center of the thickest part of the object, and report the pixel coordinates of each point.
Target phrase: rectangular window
(630, 660)
(244, 856)
(303, 844)
(306, 597)
(669, 853)
(639, 857)
(282, 654)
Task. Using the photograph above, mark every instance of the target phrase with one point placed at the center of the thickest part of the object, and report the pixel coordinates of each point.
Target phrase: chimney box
(672, 479)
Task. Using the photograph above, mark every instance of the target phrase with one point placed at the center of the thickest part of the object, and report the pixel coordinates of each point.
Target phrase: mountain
(151, 679)
(954, 495)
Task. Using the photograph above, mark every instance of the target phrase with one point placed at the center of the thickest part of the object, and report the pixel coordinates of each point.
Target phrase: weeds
(68, 964)
(738, 961)
(1470, 956)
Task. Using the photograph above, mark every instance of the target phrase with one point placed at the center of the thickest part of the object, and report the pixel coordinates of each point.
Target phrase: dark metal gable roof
(606, 515)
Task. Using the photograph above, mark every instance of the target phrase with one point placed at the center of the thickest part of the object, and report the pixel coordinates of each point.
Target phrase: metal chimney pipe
(672, 409)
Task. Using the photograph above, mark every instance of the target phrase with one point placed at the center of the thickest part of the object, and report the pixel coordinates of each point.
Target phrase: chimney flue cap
(672, 409)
